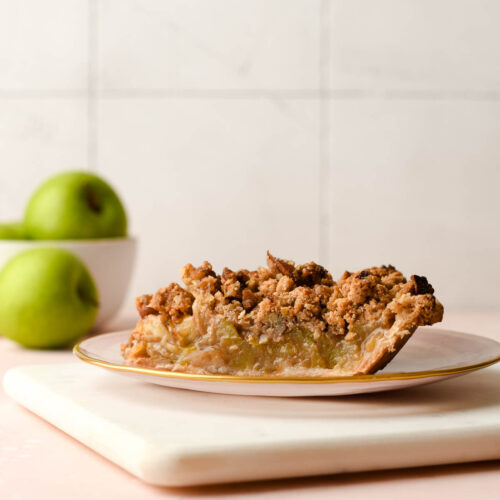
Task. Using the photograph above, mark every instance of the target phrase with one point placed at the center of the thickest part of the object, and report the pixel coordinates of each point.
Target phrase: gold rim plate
(486, 353)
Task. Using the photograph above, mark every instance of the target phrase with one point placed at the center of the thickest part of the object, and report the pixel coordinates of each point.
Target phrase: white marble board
(176, 437)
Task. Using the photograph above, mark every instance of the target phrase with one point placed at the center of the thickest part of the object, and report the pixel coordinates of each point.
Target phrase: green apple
(48, 298)
(12, 231)
(75, 205)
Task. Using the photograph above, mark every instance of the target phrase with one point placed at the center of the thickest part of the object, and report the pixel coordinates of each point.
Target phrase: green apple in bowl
(12, 231)
(74, 206)
(48, 298)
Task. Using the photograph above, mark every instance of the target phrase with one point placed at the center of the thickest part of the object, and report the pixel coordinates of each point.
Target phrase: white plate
(431, 355)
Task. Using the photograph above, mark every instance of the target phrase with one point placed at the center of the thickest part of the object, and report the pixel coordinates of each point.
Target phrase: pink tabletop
(39, 461)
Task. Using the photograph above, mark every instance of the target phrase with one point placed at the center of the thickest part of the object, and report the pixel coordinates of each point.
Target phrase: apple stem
(92, 199)
(86, 297)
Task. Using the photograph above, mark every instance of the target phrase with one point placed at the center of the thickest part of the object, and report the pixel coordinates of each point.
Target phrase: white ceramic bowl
(110, 262)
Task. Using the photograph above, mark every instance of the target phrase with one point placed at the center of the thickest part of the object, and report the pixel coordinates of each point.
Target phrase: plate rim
(77, 351)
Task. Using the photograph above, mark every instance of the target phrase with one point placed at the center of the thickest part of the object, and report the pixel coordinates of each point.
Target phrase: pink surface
(38, 460)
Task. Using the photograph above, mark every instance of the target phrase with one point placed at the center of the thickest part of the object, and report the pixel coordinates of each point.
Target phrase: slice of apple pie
(283, 320)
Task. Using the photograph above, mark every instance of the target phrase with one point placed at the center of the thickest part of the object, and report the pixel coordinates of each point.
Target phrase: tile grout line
(92, 81)
(311, 94)
(210, 93)
(43, 94)
(324, 134)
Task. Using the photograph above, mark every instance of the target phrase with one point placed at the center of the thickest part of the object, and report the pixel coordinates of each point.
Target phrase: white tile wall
(443, 45)
(43, 45)
(415, 184)
(220, 44)
(356, 132)
(38, 137)
(219, 179)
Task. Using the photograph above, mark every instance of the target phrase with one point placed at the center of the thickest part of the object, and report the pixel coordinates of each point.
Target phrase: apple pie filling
(280, 320)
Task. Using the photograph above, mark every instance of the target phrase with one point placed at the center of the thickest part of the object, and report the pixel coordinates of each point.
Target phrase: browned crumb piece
(380, 292)
(172, 303)
(141, 303)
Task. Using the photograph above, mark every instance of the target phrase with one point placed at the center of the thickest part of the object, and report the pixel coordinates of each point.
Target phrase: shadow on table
(295, 486)
(473, 391)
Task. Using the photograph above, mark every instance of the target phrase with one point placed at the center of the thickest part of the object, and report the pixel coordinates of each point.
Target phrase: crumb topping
(271, 301)
(172, 303)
